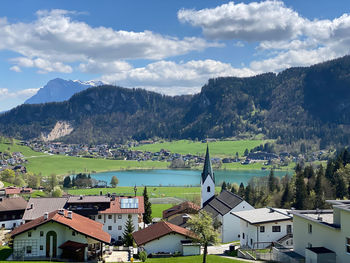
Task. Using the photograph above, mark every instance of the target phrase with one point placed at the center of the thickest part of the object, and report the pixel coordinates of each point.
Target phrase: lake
(179, 177)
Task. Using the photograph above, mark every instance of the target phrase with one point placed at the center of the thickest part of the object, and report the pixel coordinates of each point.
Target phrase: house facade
(260, 227)
(323, 234)
(164, 237)
(59, 234)
(115, 217)
(11, 211)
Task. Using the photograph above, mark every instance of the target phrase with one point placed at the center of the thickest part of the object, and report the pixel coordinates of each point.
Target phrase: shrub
(143, 256)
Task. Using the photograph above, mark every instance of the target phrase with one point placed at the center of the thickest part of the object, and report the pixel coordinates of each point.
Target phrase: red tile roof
(159, 230)
(115, 207)
(78, 223)
(11, 190)
(185, 207)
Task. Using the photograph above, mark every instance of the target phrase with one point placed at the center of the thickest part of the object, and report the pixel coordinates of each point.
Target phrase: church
(220, 207)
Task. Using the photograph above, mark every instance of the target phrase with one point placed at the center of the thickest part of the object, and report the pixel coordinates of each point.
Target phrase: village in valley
(117, 228)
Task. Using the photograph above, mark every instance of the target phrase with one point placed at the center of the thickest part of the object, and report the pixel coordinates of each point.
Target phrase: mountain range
(58, 89)
(303, 103)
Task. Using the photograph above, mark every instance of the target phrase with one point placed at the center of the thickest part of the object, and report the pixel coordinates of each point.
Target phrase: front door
(51, 244)
(289, 229)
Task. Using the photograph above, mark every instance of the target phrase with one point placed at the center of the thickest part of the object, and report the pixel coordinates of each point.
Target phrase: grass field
(26, 151)
(180, 192)
(194, 259)
(217, 149)
(62, 165)
(157, 209)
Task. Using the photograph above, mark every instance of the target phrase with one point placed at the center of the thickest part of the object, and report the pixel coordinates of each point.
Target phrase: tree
(287, 196)
(33, 181)
(246, 152)
(8, 175)
(147, 216)
(320, 199)
(53, 181)
(56, 192)
(272, 182)
(67, 183)
(241, 190)
(300, 192)
(19, 181)
(114, 181)
(202, 226)
(223, 186)
(129, 229)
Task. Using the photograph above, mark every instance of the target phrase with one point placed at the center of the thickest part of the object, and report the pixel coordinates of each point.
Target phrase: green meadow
(194, 259)
(217, 149)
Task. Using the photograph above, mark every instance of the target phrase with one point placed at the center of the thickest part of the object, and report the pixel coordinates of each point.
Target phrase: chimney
(31, 206)
(61, 212)
(46, 215)
(81, 197)
(70, 214)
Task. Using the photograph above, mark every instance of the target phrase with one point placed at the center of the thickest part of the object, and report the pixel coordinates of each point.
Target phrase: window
(208, 189)
(119, 237)
(29, 249)
(109, 227)
(251, 241)
(3, 225)
(99, 217)
(276, 228)
(119, 216)
(41, 233)
(309, 226)
(41, 247)
(119, 227)
(29, 235)
(14, 224)
(347, 245)
(73, 233)
(243, 236)
(109, 216)
(262, 229)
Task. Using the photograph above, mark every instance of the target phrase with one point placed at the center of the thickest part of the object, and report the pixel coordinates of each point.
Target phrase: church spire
(207, 169)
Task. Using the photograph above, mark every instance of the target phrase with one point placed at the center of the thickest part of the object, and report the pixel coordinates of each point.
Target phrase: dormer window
(208, 189)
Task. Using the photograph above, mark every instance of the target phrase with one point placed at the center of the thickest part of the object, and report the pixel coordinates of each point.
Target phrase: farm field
(26, 151)
(153, 192)
(157, 209)
(217, 149)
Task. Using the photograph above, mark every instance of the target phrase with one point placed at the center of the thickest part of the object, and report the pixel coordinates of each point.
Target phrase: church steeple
(207, 169)
(207, 181)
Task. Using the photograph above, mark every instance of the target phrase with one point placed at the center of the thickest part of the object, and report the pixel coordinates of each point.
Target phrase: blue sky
(172, 47)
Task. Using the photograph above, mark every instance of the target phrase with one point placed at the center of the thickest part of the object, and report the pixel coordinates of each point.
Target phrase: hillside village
(101, 227)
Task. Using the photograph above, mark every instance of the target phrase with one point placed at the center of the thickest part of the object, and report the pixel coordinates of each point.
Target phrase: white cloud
(268, 20)
(20, 94)
(175, 78)
(93, 66)
(16, 68)
(55, 39)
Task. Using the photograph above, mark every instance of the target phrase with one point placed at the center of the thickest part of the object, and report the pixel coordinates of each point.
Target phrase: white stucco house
(164, 237)
(323, 235)
(260, 227)
(115, 217)
(59, 234)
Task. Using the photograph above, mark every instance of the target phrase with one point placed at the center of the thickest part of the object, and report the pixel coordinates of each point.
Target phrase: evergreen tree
(248, 195)
(129, 229)
(147, 216)
(241, 190)
(319, 202)
(340, 186)
(300, 192)
(246, 152)
(223, 186)
(272, 181)
(67, 183)
(286, 196)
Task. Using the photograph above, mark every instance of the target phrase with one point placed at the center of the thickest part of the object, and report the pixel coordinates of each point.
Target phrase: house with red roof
(59, 234)
(167, 238)
(115, 217)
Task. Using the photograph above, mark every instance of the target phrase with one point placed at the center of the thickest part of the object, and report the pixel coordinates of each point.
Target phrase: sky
(172, 47)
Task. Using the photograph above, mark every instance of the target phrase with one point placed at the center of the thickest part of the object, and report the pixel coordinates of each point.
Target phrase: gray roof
(223, 203)
(42, 205)
(12, 204)
(263, 215)
(89, 199)
(207, 169)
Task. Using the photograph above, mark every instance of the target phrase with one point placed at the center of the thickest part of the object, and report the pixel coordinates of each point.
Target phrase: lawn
(217, 149)
(194, 259)
(157, 209)
(26, 151)
(180, 192)
(62, 165)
